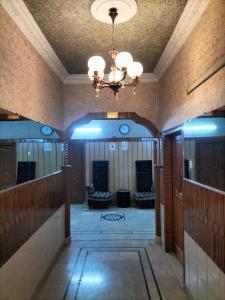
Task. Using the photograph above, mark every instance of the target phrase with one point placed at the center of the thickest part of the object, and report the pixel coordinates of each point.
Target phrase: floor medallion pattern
(113, 217)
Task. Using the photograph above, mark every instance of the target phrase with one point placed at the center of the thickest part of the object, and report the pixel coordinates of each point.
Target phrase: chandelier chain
(113, 35)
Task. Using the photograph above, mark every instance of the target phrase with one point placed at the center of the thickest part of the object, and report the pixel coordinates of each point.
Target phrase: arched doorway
(77, 153)
(120, 115)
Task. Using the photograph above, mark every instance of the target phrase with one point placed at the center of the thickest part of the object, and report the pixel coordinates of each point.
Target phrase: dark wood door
(177, 181)
(77, 161)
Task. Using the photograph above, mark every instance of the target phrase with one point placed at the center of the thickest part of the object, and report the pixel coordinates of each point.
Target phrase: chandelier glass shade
(122, 65)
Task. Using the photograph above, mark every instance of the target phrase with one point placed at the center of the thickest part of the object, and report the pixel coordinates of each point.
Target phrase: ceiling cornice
(26, 23)
(83, 78)
(188, 20)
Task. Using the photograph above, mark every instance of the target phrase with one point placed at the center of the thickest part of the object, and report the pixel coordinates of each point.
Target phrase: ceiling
(75, 35)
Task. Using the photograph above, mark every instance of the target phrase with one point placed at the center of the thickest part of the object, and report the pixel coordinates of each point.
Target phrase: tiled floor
(89, 224)
(110, 267)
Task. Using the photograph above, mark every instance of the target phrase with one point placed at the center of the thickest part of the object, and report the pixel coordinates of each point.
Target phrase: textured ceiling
(75, 35)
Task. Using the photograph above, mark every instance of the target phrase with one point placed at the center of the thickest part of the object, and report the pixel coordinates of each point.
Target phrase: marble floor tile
(122, 267)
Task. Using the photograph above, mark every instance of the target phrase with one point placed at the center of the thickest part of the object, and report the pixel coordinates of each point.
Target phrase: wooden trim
(103, 116)
(157, 169)
(24, 208)
(28, 182)
(67, 198)
(161, 187)
(168, 193)
(129, 139)
(173, 130)
(212, 71)
(209, 188)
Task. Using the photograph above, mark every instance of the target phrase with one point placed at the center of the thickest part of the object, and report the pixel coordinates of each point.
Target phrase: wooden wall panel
(204, 219)
(122, 172)
(24, 208)
(167, 192)
(77, 160)
(157, 169)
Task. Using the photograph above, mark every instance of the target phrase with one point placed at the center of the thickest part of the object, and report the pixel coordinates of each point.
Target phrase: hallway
(110, 262)
(112, 149)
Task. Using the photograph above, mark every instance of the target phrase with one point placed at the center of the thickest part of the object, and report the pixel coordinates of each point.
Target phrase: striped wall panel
(121, 163)
(47, 162)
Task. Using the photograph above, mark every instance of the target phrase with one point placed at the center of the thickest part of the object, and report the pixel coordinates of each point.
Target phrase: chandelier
(122, 65)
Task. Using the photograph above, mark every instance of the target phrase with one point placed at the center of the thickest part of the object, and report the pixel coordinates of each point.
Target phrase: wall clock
(46, 130)
(124, 129)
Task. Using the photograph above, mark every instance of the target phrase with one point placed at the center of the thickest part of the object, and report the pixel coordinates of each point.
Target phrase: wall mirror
(204, 149)
(28, 150)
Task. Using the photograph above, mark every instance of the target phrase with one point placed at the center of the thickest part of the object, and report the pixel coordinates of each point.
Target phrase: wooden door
(177, 194)
(7, 165)
(77, 161)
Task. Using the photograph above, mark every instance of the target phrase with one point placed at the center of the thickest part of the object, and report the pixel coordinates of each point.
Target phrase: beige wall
(27, 85)
(80, 99)
(205, 46)
(22, 274)
(30, 88)
(122, 172)
(203, 278)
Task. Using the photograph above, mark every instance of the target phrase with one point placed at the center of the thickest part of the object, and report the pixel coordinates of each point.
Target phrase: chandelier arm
(133, 82)
(124, 74)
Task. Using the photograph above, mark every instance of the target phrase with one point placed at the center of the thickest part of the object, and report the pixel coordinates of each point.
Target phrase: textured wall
(204, 47)
(80, 99)
(27, 85)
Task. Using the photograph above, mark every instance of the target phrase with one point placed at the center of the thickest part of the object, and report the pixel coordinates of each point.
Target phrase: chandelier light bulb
(91, 74)
(123, 60)
(135, 69)
(115, 76)
(96, 63)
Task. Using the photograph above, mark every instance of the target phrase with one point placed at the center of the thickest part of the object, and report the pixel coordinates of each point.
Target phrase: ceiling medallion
(122, 65)
(127, 9)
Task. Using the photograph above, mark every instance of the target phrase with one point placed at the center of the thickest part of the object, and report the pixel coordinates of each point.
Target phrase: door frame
(168, 186)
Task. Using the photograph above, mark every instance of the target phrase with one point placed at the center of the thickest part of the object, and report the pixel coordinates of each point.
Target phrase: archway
(106, 116)
(120, 115)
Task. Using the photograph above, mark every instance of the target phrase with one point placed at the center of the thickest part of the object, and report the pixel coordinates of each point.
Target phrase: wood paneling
(157, 170)
(178, 210)
(77, 161)
(24, 208)
(204, 219)
(168, 192)
(122, 173)
(161, 187)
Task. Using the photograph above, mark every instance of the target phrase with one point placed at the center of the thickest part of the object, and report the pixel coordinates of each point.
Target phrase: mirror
(28, 150)
(204, 149)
